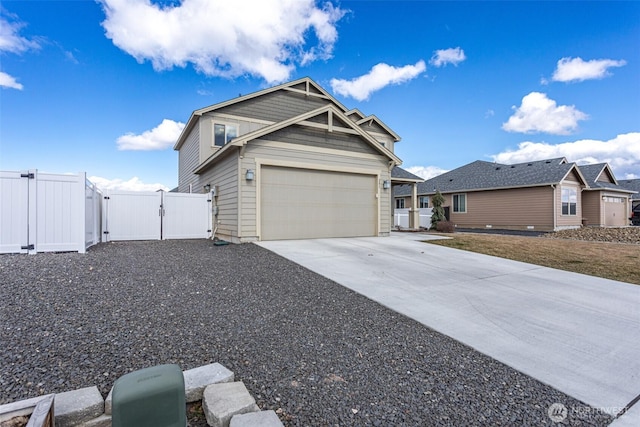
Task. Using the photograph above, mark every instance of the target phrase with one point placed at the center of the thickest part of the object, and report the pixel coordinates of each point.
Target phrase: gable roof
(481, 175)
(372, 118)
(305, 86)
(309, 88)
(593, 173)
(329, 109)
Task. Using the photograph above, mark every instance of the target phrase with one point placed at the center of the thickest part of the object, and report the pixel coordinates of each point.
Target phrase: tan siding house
(528, 208)
(543, 195)
(291, 162)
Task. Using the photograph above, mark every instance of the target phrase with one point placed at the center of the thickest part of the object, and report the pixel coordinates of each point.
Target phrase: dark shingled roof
(402, 174)
(481, 175)
(591, 174)
(631, 185)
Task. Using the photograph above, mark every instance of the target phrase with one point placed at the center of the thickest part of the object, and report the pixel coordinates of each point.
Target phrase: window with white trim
(399, 203)
(569, 201)
(223, 133)
(423, 202)
(460, 203)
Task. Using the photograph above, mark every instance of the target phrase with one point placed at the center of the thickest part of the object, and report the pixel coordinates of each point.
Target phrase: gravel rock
(307, 348)
(600, 234)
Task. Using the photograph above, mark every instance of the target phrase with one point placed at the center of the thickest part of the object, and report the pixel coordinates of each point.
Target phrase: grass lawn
(617, 261)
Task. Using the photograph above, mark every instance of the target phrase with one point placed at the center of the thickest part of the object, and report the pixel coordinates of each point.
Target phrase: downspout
(555, 209)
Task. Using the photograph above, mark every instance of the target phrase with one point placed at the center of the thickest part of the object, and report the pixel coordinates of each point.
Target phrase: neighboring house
(291, 162)
(543, 195)
(605, 203)
(632, 185)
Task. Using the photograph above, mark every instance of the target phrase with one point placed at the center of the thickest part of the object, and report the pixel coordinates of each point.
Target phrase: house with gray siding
(544, 195)
(291, 162)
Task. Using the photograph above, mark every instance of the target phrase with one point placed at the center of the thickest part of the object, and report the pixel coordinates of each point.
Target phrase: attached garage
(294, 164)
(615, 211)
(304, 203)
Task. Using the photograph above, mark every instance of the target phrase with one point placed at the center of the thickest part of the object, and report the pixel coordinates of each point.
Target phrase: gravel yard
(315, 352)
(600, 234)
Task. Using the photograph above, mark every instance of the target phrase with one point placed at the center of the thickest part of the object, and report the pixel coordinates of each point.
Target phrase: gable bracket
(330, 121)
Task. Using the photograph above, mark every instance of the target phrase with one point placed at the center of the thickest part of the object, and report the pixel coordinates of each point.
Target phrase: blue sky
(106, 86)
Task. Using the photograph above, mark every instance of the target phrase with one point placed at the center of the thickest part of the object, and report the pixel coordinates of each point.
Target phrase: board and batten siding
(188, 160)
(278, 153)
(224, 176)
(520, 208)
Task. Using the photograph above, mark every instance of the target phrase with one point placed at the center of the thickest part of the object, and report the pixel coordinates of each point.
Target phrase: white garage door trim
(373, 173)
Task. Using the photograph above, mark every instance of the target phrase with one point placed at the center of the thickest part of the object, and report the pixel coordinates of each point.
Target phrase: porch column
(414, 212)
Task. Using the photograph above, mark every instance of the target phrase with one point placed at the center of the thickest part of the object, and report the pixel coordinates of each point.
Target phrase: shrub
(437, 213)
(445, 227)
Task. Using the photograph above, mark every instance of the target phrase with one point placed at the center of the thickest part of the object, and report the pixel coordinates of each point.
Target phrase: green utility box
(150, 397)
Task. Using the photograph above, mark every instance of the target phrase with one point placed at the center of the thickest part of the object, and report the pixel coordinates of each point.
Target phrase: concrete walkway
(577, 333)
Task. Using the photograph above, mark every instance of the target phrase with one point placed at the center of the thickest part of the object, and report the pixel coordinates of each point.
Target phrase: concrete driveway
(577, 333)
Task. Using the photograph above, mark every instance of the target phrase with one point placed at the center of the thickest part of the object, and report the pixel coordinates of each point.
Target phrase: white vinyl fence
(401, 217)
(45, 212)
(133, 215)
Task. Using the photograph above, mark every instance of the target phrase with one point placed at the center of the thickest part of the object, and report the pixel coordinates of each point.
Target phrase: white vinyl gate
(133, 215)
(44, 212)
(401, 217)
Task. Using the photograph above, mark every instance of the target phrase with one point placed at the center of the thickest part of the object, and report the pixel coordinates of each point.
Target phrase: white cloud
(133, 184)
(265, 38)
(10, 39)
(160, 137)
(380, 76)
(538, 113)
(447, 56)
(8, 81)
(577, 70)
(426, 172)
(622, 153)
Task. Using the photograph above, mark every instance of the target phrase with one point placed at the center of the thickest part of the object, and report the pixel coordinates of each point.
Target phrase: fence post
(32, 226)
(82, 202)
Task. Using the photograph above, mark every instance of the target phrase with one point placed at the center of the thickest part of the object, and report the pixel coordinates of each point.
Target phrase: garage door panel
(303, 203)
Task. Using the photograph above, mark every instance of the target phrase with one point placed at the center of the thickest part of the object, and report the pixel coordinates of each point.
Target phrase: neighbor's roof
(631, 185)
(481, 175)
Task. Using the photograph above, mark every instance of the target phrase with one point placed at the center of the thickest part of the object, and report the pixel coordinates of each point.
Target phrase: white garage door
(307, 204)
(615, 214)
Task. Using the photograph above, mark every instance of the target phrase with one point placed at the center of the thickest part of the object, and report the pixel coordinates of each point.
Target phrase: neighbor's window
(460, 203)
(569, 201)
(399, 203)
(223, 133)
(423, 202)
